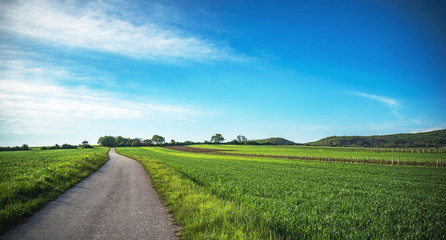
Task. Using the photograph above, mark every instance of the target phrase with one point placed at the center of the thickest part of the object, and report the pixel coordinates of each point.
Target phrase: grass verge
(30, 179)
(201, 214)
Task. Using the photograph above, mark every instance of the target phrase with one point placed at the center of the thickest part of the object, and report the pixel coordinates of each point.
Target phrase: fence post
(392, 161)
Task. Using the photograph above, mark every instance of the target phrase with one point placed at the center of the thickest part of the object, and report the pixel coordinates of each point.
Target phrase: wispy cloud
(393, 104)
(388, 101)
(35, 107)
(20, 65)
(33, 100)
(88, 26)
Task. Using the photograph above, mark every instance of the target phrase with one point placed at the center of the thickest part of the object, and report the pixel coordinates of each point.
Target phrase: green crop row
(306, 199)
(333, 152)
(29, 179)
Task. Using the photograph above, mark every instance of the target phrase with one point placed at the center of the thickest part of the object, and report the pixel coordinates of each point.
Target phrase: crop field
(29, 179)
(334, 152)
(296, 199)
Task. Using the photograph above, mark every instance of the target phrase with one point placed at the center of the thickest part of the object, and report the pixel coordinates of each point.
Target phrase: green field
(334, 152)
(246, 197)
(29, 179)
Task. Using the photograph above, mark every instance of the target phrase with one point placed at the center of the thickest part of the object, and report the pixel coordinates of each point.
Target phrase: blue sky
(303, 70)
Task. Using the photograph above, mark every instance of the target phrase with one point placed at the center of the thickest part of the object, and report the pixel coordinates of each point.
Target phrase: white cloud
(34, 107)
(32, 102)
(19, 65)
(388, 101)
(63, 23)
(393, 104)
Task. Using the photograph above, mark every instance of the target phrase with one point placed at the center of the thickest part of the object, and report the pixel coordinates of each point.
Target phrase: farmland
(386, 154)
(29, 179)
(223, 196)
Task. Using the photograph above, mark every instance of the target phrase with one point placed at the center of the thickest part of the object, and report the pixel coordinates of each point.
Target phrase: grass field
(218, 196)
(29, 179)
(334, 152)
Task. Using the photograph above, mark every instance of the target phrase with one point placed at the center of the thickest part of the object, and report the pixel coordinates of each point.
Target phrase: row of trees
(157, 140)
(119, 141)
(57, 146)
(111, 141)
(16, 148)
(67, 146)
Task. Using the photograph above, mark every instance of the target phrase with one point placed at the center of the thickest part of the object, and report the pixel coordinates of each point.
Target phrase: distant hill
(273, 141)
(424, 139)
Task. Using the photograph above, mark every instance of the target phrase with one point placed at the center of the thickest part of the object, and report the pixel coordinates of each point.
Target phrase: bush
(24, 147)
(68, 146)
(64, 146)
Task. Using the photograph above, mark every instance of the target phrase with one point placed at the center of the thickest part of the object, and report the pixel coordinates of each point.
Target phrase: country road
(116, 202)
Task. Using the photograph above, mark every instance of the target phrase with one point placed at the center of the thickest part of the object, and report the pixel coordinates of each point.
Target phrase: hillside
(425, 139)
(273, 141)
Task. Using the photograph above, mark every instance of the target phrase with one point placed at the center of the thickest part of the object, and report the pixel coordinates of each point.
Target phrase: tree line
(24, 147)
(157, 140)
(68, 146)
(403, 140)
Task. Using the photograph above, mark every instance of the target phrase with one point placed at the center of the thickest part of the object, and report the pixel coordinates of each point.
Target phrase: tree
(108, 141)
(172, 142)
(147, 142)
(136, 142)
(241, 138)
(85, 143)
(120, 141)
(217, 138)
(158, 139)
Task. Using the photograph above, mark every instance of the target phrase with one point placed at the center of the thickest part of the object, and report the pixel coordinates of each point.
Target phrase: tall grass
(29, 179)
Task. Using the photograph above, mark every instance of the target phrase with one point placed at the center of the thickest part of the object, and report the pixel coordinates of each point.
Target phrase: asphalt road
(116, 202)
